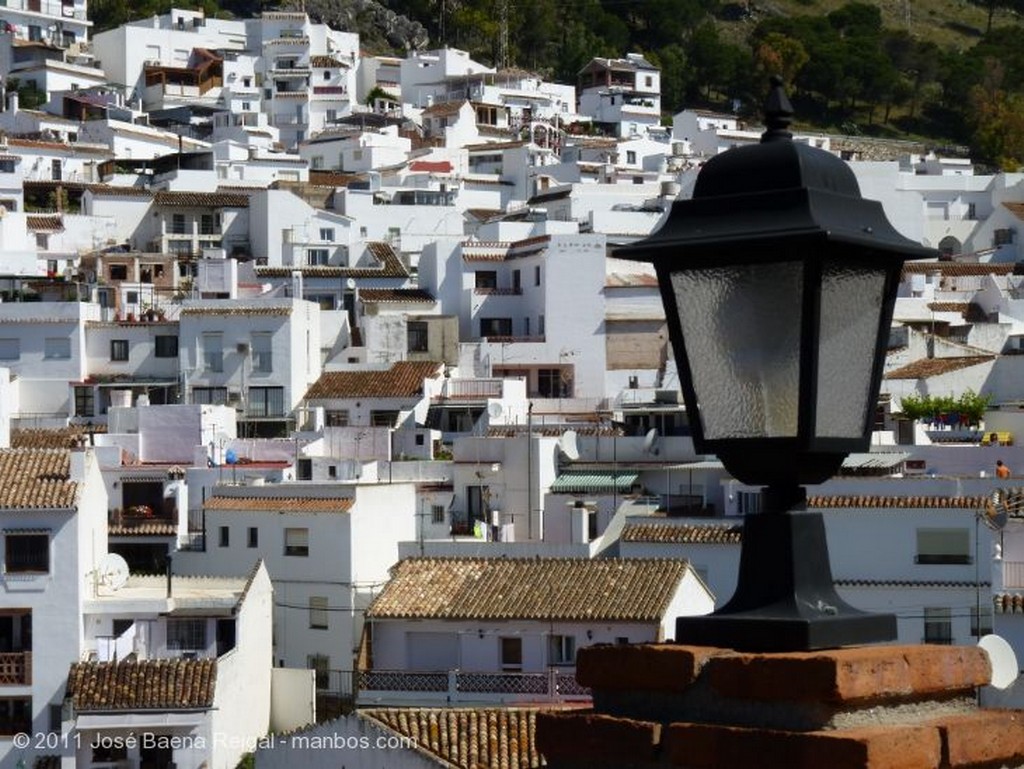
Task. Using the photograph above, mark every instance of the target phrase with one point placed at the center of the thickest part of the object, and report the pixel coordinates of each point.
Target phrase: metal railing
(553, 684)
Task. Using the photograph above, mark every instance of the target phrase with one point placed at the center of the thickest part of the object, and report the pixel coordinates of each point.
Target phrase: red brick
(643, 667)
(595, 740)
(705, 746)
(983, 737)
(850, 675)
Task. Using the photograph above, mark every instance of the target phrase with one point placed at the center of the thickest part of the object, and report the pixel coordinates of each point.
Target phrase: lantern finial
(778, 113)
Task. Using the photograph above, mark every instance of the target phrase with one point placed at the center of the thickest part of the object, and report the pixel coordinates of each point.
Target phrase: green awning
(595, 482)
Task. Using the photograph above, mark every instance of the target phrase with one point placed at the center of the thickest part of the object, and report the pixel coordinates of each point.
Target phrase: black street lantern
(779, 282)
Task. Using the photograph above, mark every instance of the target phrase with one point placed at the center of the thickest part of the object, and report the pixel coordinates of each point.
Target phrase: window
(253, 539)
(186, 634)
(943, 546)
(262, 355)
(177, 224)
(209, 224)
(985, 626)
(748, 502)
(131, 297)
(10, 349)
(296, 542)
(166, 346)
(27, 553)
(57, 347)
(540, 325)
(486, 279)
(327, 234)
(224, 537)
(318, 612)
(266, 402)
(213, 351)
(317, 163)
(119, 349)
(383, 418)
(317, 257)
(561, 650)
(938, 626)
(417, 330)
(536, 275)
(337, 418)
(517, 281)
(437, 514)
(511, 654)
(119, 272)
(631, 157)
(85, 401)
(321, 663)
(15, 715)
(210, 396)
(551, 383)
(42, 241)
(495, 327)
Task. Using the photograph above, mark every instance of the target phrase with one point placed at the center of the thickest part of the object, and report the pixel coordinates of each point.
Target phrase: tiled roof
(324, 62)
(119, 191)
(143, 529)
(403, 380)
(957, 269)
(250, 310)
(949, 306)
(469, 738)
(631, 280)
(929, 367)
(46, 223)
(36, 479)
(444, 108)
(396, 295)
(385, 254)
(169, 684)
(432, 166)
(202, 199)
(40, 438)
(549, 589)
(594, 481)
(690, 534)
(903, 503)
(279, 504)
(1017, 209)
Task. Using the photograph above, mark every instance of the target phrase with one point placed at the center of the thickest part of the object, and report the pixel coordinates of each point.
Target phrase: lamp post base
(785, 599)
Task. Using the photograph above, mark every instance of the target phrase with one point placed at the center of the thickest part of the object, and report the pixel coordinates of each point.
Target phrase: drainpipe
(170, 571)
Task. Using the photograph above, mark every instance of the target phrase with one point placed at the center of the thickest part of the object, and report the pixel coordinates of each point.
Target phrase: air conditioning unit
(234, 396)
(242, 348)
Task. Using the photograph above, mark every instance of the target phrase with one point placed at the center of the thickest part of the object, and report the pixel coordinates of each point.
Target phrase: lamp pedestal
(785, 599)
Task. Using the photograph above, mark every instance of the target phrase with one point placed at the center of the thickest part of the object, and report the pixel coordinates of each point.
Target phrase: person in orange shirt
(1002, 471)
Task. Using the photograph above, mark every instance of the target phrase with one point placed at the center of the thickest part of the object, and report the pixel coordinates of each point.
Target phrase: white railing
(452, 686)
(1013, 574)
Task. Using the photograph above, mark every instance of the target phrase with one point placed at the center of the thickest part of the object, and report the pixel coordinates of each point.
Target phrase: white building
(501, 630)
(622, 95)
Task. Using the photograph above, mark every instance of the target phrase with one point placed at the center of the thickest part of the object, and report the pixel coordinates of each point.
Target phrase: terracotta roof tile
(1017, 209)
(566, 589)
(169, 684)
(929, 367)
(40, 438)
(442, 109)
(958, 268)
(631, 280)
(875, 501)
(279, 504)
(143, 529)
(202, 199)
(250, 310)
(469, 738)
(431, 166)
(119, 191)
(45, 223)
(702, 534)
(403, 380)
(325, 62)
(949, 306)
(36, 479)
(396, 295)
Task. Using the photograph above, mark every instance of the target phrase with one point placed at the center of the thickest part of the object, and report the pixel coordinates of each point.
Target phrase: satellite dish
(1002, 659)
(568, 446)
(652, 442)
(113, 571)
(495, 410)
(350, 284)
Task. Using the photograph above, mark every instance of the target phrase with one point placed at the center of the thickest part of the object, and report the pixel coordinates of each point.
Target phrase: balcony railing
(1013, 574)
(16, 669)
(397, 686)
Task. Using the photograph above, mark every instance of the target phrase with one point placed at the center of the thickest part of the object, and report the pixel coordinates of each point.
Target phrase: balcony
(395, 687)
(1013, 574)
(16, 669)
(333, 92)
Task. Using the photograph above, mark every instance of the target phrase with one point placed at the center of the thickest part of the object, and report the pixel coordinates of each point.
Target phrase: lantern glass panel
(741, 330)
(852, 297)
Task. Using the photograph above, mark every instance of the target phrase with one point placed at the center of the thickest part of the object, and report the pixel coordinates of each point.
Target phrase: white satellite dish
(113, 571)
(495, 410)
(350, 283)
(567, 445)
(652, 442)
(1002, 659)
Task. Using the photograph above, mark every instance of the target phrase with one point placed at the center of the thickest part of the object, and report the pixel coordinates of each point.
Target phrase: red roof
(431, 166)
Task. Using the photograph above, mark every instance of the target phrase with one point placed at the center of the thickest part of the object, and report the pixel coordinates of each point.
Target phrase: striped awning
(595, 482)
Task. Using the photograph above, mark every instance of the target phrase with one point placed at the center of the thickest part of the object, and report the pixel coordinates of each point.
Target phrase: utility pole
(503, 52)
